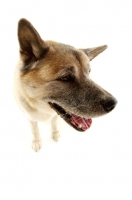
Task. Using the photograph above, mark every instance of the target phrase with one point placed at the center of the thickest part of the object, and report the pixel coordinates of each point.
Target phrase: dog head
(59, 75)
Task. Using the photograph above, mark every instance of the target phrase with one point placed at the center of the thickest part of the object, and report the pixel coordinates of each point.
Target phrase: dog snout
(109, 104)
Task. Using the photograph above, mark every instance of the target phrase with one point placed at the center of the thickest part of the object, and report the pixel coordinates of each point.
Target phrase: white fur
(42, 112)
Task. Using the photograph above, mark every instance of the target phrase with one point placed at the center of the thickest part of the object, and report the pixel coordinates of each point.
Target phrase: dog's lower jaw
(77, 122)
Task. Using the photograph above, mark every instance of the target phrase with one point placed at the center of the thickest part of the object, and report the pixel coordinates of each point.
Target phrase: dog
(52, 79)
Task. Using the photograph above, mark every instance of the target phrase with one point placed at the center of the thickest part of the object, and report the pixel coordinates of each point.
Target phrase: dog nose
(109, 105)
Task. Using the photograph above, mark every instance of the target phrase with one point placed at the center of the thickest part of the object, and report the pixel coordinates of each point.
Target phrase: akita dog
(52, 79)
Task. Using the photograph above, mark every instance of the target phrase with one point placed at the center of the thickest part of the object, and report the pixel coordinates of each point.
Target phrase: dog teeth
(80, 125)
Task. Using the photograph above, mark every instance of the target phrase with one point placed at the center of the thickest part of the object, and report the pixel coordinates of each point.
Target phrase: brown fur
(53, 72)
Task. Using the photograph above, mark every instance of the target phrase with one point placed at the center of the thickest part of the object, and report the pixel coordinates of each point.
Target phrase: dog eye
(66, 78)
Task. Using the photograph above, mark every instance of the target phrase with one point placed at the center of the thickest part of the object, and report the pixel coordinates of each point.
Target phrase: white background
(97, 164)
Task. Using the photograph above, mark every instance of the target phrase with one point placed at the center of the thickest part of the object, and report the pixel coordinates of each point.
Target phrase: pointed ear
(32, 47)
(93, 52)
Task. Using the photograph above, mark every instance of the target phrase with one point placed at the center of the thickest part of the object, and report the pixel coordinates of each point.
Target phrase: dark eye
(67, 78)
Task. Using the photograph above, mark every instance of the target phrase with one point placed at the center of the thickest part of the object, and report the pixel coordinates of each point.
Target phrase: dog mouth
(77, 122)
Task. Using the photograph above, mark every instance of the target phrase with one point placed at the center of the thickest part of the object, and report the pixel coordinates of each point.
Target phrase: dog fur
(50, 73)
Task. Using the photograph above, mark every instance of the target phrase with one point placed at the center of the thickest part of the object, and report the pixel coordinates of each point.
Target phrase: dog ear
(93, 52)
(32, 47)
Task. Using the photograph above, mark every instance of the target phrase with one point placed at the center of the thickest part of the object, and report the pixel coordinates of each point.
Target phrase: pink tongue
(80, 122)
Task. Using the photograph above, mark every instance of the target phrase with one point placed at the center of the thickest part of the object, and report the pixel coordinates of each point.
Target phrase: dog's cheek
(55, 89)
